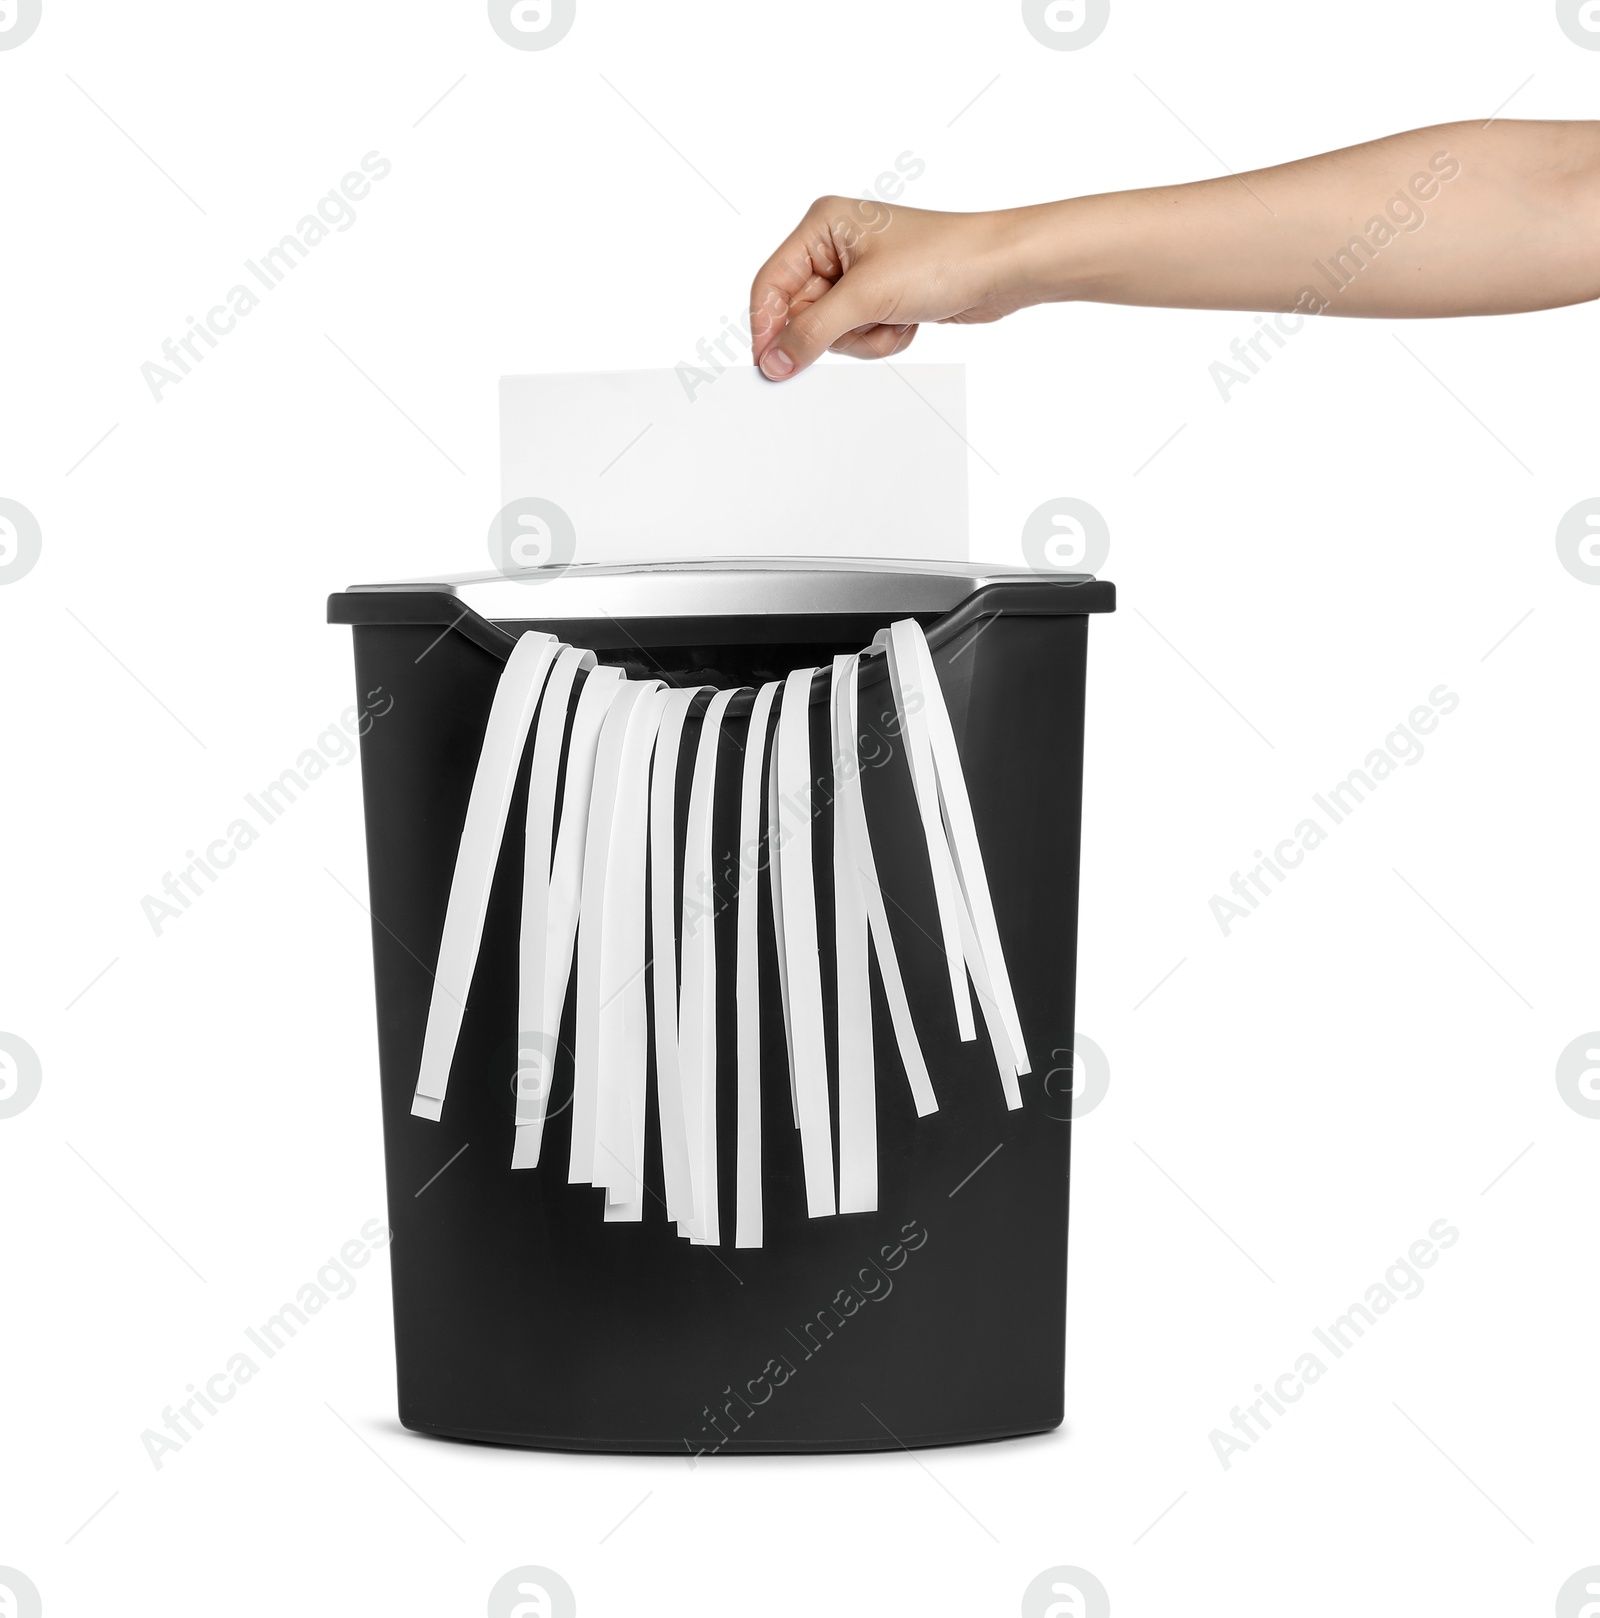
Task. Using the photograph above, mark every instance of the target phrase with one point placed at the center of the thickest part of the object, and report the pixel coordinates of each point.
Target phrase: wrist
(1058, 252)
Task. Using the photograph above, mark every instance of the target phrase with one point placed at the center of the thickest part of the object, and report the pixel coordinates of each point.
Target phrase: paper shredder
(523, 1318)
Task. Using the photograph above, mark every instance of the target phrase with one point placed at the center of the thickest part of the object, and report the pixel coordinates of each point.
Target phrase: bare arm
(1459, 219)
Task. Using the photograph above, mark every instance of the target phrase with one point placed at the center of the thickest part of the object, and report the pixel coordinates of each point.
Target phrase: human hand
(858, 277)
(1512, 213)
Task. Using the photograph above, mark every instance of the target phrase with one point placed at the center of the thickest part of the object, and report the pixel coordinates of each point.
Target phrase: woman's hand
(858, 277)
(1475, 218)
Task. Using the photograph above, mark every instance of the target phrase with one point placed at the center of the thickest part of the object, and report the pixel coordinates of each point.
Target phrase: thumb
(817, 327)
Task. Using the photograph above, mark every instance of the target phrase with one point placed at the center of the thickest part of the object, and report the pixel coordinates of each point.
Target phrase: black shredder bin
(525, 1312)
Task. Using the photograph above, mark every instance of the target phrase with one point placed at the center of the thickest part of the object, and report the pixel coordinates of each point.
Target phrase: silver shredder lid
(729, 587)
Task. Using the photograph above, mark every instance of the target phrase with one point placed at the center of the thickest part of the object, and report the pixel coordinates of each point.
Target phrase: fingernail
(776, 364)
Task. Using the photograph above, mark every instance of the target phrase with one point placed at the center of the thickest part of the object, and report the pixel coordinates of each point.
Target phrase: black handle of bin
(1047, 598)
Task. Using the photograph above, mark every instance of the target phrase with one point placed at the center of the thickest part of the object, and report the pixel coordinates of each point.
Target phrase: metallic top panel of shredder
(722, 587)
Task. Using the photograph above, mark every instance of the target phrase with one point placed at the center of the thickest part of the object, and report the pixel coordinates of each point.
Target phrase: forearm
(1458, 219)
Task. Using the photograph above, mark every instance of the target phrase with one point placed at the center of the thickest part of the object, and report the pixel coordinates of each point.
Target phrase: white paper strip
(624, 1032)
(910, 706)
(747, 1191)
(963, 833)
(775, 891)
(600, 690)
(851, 813)
(598, 856)
(697, 1005)
(510, 715)
(800, 943)
(664, 953)
(536, 1037)
(927, 720)
(589, 896)
(858, 1110)
(999, 1040)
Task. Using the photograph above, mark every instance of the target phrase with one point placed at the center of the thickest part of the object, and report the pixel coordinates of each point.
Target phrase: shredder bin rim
(701, 587)
(1071, 595)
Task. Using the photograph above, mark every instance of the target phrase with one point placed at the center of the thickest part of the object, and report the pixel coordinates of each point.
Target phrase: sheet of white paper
(691, 463)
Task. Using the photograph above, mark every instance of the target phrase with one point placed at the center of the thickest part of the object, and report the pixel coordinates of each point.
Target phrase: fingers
(801, 270)
(810, 295)
(876, 342)
(801, 301)
(845, 309)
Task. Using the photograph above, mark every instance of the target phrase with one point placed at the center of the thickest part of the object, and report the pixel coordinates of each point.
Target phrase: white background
(1297, 569)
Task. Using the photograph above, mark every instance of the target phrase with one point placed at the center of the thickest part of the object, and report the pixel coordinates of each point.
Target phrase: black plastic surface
(522, 1318)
